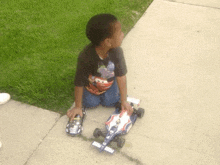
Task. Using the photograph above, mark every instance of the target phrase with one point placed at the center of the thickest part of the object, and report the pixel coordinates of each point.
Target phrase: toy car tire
(140, 112)
(118, 106)
(96, 133)
(120, 142)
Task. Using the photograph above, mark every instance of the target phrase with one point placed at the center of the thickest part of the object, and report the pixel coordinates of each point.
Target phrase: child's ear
(108, 42)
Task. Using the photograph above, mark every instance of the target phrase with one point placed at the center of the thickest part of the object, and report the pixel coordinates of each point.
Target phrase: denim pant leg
(90, 100)
(111, 96)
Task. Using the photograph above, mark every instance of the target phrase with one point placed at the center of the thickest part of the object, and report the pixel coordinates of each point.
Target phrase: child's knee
(90, 100)
(91, 103)
(110, 102)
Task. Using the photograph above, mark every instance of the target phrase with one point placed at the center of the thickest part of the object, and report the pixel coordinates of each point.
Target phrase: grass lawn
(40, 41)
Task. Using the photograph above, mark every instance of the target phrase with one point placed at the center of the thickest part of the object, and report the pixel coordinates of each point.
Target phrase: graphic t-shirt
(96, 74)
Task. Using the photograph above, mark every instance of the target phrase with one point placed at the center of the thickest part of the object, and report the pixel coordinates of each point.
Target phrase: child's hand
(73, 112)
(126, 106)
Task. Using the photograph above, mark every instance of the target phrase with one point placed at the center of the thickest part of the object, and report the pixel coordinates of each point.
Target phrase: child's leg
(112, 96)
(90, 100)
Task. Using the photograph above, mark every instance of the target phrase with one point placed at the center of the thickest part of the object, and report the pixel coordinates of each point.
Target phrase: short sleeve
(80, 77)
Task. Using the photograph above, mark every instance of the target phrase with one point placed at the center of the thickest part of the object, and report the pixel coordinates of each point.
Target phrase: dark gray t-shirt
(97, 74)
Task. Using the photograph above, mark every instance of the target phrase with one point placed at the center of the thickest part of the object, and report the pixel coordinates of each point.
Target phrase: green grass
(40, 41)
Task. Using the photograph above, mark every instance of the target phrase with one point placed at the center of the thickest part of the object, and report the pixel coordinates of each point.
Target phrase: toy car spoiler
(99, 145)
(133, 100)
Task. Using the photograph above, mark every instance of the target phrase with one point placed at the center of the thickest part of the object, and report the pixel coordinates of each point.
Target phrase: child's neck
(102, 51)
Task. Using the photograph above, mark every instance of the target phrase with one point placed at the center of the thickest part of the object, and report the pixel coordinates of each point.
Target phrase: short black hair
(100, 27)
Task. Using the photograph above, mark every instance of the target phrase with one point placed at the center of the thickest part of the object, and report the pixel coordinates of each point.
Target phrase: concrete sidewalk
(173, 62)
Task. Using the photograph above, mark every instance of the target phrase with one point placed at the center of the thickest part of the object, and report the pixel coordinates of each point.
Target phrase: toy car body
(119, 123)
(75, 127)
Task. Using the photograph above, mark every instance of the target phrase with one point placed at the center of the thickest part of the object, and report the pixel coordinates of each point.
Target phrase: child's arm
(78, 104)
(78, 97)
(122, 85)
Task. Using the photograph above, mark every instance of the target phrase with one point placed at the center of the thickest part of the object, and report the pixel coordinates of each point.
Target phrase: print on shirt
(101, 82)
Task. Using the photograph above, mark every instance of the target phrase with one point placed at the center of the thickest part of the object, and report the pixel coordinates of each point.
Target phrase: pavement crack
(212, 7)
(130, 158)
(41, 140)
(177, 146)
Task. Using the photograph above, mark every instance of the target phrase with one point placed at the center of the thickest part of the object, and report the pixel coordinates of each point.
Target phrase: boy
(101, 69)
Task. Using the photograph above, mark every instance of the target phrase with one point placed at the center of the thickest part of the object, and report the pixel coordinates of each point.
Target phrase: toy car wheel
(118, 106)
(140, 112)
(96, 133)
(120, 142)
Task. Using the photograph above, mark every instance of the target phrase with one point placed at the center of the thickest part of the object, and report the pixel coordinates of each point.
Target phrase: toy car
(75, 127)
(119, 123)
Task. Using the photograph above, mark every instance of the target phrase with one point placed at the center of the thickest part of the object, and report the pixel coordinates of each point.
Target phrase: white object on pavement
(133, 100)
(4, 98)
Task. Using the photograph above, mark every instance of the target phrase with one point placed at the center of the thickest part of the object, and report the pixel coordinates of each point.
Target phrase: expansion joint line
(57, 119)
(217, 8)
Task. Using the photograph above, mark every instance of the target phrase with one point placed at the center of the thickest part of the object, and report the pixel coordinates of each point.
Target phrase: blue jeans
(108, 99)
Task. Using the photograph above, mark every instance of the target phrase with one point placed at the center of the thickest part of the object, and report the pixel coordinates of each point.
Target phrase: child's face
(118, 35)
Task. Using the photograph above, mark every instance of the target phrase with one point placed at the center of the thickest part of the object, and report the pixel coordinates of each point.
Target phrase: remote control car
(75, 127)
(119, 123)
